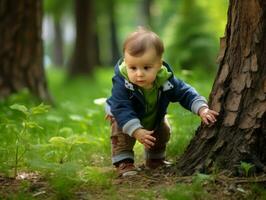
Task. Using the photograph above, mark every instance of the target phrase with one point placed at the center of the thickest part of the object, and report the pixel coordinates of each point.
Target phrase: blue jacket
(127, 103)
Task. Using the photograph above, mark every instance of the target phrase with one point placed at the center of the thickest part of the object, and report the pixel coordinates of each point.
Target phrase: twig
(261, 179)
(38, 193)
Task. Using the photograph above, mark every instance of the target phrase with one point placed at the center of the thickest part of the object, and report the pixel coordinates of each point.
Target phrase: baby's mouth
(140, 81)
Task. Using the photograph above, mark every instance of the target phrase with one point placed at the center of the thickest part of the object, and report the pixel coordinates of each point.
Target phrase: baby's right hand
(144, 137)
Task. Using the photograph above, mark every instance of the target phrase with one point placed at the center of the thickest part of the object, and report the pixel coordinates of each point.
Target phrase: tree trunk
(238, 94)
(146, 13)
(21, 52)
(58, 44)
(84, 57)
(96, 49)
(112, 23)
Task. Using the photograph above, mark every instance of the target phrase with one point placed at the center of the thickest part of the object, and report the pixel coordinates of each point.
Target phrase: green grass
(73, 144)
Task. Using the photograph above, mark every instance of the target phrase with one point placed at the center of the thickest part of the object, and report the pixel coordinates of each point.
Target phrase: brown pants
(122, 144)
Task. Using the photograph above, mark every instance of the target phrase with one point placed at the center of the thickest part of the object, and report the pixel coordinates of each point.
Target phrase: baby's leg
(122, 150)
(121, 143)
(155, 156)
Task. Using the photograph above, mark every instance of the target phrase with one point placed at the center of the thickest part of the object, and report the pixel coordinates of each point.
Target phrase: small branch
(260, 179)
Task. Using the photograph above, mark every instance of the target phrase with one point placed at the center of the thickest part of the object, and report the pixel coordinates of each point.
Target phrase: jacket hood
(163, 75)
(121, 60)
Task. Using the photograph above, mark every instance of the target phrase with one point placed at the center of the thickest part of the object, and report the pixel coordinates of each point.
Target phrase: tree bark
(238, 94)
(21, 52)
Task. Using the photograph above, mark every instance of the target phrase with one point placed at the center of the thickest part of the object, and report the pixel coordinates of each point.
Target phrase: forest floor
(147, 184)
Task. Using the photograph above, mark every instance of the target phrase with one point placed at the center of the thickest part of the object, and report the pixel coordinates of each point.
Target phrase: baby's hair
(142, 39)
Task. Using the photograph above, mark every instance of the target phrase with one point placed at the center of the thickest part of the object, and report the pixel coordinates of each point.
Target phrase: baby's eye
(133, 68)
(147, 67)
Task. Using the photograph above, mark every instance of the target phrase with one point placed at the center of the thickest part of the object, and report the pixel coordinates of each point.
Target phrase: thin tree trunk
(58, 44)
(114, 43)
(96, 48)
(239, 94)
(84, 57)
(21, 52)
(146, 13)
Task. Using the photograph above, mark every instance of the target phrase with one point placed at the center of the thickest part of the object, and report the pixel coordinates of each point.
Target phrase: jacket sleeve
(121, 107)
(187, 96)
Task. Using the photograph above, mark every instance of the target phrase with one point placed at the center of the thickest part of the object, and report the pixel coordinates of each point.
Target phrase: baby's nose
(139, 73)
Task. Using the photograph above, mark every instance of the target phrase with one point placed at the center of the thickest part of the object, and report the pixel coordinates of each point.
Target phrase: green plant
(96, 177)
(189, 192)
(27, 123)
(258, 192)
(62, 147)
(64, 179)
(246, 167)
(186, 192)
(202, 178)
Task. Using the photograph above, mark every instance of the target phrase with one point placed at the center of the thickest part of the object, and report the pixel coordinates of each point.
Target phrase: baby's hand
(144, 137)
(207, 115)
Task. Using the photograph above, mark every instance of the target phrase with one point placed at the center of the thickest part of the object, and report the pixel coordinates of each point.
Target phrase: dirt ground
(146, 185)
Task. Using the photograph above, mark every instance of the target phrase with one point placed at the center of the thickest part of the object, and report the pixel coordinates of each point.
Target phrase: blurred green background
(190, 29)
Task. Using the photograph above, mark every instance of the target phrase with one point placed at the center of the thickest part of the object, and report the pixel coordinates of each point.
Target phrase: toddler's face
(142, 70)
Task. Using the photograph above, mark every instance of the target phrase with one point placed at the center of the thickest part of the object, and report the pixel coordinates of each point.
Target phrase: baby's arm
(144, 137)
(190, 99)
(207, 115)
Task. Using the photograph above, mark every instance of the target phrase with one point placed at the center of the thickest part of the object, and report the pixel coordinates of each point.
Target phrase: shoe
(156, 163)
(126, 169)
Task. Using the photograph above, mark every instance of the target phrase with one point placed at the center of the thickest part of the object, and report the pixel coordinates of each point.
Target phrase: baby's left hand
(207, 115)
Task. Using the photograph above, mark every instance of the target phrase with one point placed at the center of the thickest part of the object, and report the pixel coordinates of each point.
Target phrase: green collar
(162, 76)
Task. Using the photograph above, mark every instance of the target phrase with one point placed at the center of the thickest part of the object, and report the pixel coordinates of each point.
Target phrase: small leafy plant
(246, 167)
(62, 147)
(21, 132)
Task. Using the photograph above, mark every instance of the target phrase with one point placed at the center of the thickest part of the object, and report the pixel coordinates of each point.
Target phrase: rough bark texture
(238, 94)
(21, 52)
(84, 56)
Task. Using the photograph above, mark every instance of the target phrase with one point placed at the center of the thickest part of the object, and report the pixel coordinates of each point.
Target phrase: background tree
(192, 42)
(85, 52)
(56, 9)
(239, 94)
(145, 13)
(21, 53)
(111, 4)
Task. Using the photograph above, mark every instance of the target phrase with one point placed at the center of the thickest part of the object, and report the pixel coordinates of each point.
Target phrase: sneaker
(126, 169)
(156, 163)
